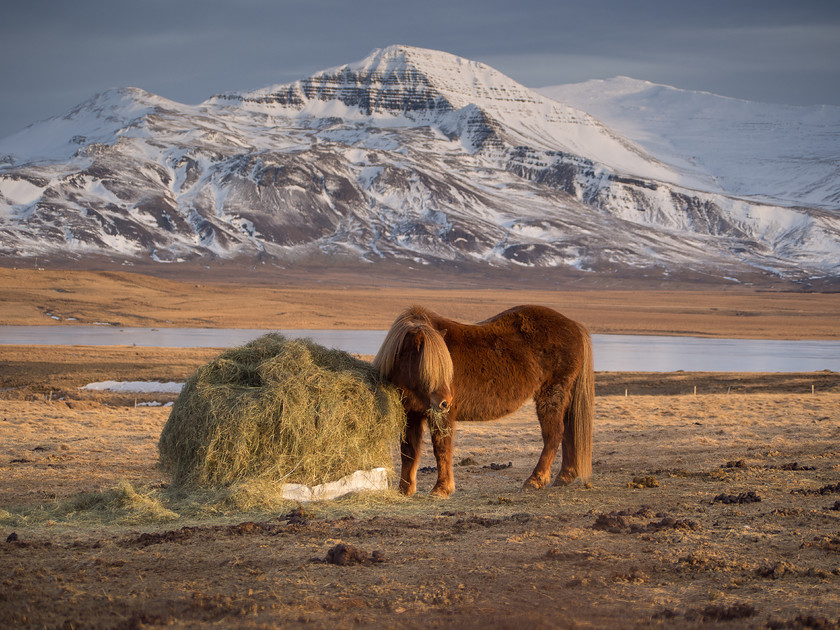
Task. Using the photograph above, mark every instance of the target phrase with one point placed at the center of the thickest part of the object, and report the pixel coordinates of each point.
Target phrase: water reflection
(638, 353)
(631, 353)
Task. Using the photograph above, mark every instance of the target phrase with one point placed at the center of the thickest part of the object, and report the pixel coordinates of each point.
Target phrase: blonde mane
(435, 367)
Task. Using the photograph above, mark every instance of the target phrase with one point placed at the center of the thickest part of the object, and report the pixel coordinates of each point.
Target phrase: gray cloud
(57, 54)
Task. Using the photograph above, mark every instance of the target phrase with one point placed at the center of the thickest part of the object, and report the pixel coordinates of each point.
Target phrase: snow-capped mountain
(419, 155)
(773, 153)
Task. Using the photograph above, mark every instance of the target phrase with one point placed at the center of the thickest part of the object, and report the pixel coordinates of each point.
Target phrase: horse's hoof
(564, 479)
(532, 484)
(443, 493)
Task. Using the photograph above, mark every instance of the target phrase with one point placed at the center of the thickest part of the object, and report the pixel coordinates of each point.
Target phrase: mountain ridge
(409, 155)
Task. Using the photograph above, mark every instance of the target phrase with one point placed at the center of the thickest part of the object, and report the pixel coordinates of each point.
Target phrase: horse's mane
(435, 369)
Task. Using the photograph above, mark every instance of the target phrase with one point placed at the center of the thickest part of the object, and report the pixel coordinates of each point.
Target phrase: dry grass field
(352, 301)
(714, 510)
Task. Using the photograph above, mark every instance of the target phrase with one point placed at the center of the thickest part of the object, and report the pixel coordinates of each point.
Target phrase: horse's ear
(442, 333)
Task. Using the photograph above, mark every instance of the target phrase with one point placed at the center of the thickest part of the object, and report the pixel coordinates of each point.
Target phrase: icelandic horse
(448, 371)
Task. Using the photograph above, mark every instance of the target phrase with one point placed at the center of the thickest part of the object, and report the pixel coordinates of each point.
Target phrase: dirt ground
(715, 510)
(719, 509)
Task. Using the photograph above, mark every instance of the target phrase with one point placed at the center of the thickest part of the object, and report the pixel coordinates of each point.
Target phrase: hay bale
(281, 410)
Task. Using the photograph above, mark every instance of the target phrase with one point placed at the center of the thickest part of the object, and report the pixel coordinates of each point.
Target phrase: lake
(620, 353)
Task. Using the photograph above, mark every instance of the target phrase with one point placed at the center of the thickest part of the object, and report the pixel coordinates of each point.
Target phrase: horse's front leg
(410, 453)
(443, 434)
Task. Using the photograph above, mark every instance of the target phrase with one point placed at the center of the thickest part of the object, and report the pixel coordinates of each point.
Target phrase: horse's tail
(581, 412)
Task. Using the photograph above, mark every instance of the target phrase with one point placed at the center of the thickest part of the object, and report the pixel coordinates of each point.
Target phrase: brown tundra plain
(715, 501)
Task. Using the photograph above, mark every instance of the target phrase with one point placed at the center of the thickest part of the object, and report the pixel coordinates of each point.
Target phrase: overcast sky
(56, 54)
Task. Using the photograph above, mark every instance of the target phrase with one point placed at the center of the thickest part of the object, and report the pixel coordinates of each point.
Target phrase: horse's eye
(444, 404)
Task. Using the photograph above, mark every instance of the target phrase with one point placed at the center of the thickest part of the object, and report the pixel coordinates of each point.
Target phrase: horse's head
(418, 362)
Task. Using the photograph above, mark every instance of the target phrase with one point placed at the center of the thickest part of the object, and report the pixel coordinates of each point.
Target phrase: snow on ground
(135, 387)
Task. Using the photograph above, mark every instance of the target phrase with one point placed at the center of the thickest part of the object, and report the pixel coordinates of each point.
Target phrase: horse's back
(504, 360)
(534, 322)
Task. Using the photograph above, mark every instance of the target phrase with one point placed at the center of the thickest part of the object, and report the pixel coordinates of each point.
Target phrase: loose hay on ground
(284, 411)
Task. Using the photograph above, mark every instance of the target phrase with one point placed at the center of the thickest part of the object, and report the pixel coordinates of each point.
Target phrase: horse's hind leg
(410, 453)
(568, 470)
(551, 406)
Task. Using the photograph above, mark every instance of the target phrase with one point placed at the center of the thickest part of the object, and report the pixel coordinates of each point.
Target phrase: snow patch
(135, 387)
(20, 192)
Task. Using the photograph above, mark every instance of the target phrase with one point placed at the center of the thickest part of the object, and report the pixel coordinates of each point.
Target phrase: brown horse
(447, 371)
